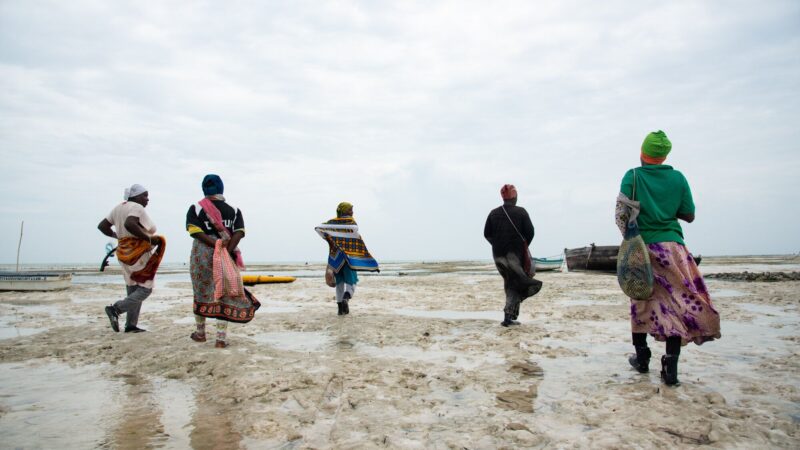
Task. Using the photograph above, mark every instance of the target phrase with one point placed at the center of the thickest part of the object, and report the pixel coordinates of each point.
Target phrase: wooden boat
(545, 264)
(594, 257)
(252, 280)
(601, 258)
(34, 281)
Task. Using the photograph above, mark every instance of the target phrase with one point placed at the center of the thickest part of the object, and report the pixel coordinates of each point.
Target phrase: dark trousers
(673, 343)
(131, 304)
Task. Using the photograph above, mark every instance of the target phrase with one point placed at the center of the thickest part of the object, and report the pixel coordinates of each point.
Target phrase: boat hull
(601, 258)
(252, 280)
(22, 281)
(543, 265)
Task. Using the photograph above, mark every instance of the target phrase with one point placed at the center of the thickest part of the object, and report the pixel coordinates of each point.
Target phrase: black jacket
(501, 234)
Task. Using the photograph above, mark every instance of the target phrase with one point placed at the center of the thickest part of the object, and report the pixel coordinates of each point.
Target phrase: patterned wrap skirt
(201, 264)
(680, 304)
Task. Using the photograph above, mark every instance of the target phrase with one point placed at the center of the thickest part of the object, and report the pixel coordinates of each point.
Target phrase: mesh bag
(634, 271)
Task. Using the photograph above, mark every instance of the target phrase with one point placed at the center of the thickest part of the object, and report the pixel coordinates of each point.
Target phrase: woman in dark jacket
(510, 231)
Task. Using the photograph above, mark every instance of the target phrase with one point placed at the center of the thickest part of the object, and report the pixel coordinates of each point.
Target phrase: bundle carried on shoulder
(634, 271)
(346, 245)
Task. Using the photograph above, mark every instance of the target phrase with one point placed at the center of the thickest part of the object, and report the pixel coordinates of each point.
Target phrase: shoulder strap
(633, 197)
(512, 224)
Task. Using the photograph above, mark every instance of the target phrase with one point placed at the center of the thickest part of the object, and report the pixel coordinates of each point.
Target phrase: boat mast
(21, 226)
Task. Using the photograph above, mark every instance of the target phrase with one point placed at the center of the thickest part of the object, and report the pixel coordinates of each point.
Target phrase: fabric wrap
(346, 245)
(131, 249)
(240, 309)
(216, 219)
(227, 279)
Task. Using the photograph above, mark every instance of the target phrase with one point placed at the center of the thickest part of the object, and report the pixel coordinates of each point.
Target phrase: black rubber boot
(507, 321)
(340, 305)
(669, 370)
(641, 360)
(345, 303)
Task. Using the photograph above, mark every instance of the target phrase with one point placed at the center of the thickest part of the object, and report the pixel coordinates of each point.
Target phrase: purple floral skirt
(680, 304)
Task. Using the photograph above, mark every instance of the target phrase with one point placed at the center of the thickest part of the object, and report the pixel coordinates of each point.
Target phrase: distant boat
(252, 280)
(34, 281)
(602, 258)
(545, 264)
(594, 257)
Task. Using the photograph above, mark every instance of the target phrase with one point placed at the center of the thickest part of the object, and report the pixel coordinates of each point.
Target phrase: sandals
(197, 337)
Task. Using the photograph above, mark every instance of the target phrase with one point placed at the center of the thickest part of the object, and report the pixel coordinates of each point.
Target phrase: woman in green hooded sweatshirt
(680, 309)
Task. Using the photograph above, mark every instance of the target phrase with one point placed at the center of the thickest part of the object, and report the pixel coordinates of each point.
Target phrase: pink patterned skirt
(680, 304)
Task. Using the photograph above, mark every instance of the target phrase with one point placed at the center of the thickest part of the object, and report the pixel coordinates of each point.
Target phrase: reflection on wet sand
(421, 362)
(136, 424)
(214, 425)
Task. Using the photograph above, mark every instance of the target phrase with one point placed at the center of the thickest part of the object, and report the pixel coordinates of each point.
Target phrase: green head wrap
(343, 208)
(656, 145)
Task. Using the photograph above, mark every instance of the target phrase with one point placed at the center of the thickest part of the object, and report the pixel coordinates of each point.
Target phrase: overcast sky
(416, 112)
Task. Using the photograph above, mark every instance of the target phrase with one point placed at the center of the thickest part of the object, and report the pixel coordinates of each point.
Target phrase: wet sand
(421, 362)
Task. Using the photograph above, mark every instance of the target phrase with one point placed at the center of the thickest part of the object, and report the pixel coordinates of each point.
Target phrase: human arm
(105, 227)
(488, 229)
(527, 227)
(621, 216)
(234, 241)
(135, 227)
(686, 209)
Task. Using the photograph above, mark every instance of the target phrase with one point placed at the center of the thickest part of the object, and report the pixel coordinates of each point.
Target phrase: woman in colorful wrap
(680, 310)
(137, 239)
(347, 254)
(214, 263)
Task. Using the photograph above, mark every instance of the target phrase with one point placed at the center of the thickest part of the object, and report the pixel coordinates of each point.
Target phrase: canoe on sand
(251, 280)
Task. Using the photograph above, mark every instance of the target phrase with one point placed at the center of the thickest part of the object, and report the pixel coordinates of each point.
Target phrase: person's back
(500, 232)
(509, 230)
(663, 194)
(680, 309)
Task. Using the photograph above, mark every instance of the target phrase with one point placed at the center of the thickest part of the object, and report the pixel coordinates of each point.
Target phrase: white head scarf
(133, 191)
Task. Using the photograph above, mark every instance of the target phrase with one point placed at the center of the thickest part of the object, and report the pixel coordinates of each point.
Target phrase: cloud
(415, 111)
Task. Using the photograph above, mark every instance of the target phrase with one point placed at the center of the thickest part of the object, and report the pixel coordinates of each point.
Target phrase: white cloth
(133, 191)
(117, 218)
(343, 288)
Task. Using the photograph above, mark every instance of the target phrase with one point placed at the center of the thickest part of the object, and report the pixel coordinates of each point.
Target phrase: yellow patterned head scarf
(343, 209)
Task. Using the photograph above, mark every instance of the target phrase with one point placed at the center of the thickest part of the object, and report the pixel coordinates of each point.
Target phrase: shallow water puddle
(57, 406)
(277, 307)
(772, 310)
(412, 353)
(11, 331)
(295, 341)
(726, 293)
(52, 406)
(451, 315)
(584, 302)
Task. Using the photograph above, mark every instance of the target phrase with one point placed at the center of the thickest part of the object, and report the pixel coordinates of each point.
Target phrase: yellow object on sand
(251, 280)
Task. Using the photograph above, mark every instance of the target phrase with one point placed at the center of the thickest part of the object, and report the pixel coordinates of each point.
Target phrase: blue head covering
(212, 185)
